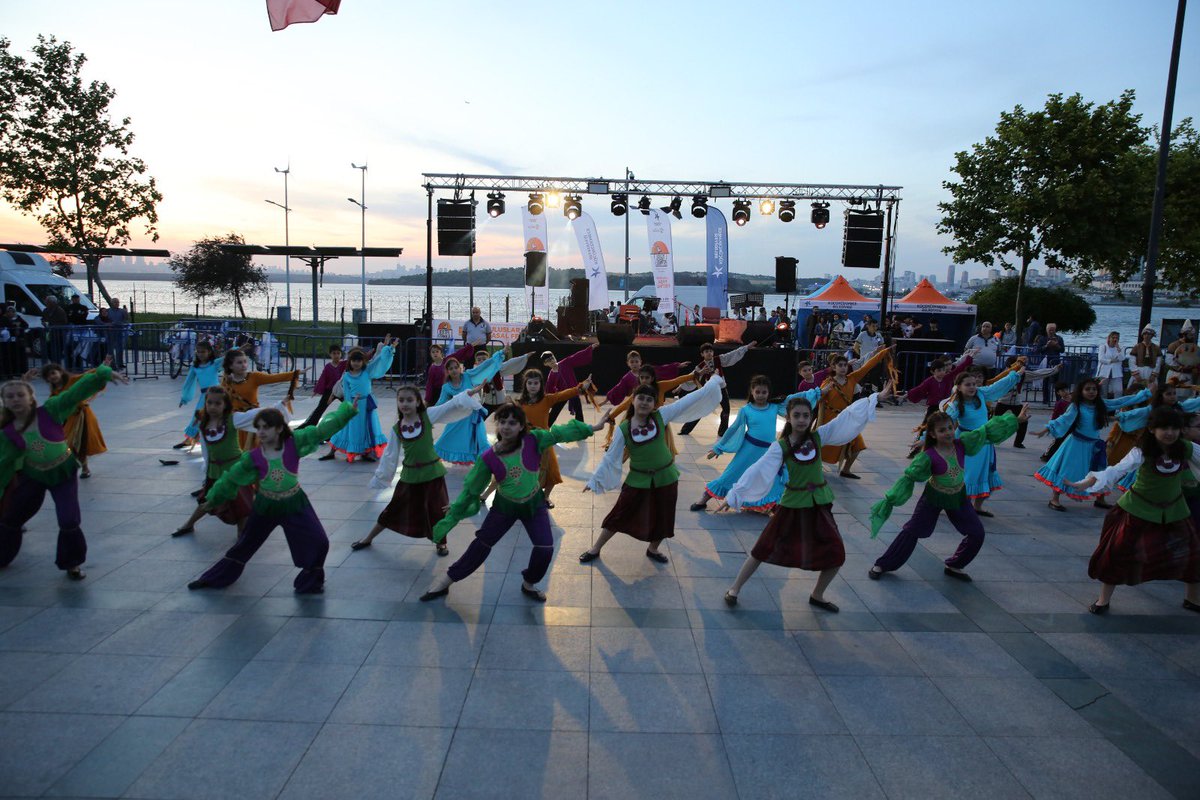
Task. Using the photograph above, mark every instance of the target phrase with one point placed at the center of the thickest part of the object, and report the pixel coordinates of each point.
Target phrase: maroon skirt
(235, 510)
(415, 508)
(1133, 550)
(801, 538)
(647, 515)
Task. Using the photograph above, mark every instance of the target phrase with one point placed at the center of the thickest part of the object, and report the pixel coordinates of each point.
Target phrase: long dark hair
(935, 419)
(52, 367)
(202, 414)
(651, 391)
(787, 425)
(212, 353)
(1162, 389)
(959, 400)
(1097, 404)
(230, 356)
(408, 387)
(273, 418)
(1162, 417)
(758, 380)
(524, 398)
(511, 410)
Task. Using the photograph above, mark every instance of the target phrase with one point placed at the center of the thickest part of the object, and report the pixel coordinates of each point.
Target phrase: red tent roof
(840, 290)
(924, 294)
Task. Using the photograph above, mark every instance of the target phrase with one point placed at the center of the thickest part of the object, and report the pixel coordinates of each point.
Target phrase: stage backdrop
(450, 330)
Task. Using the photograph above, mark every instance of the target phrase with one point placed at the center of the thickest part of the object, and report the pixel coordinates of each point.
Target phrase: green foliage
(208, 271)
(1059, 305)
(62, 158)
(1179, 246)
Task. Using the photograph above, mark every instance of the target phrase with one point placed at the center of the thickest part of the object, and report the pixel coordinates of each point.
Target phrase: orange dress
(538, 415)
(664, 387)
(837, 397)
(245, 397)
(82, 428)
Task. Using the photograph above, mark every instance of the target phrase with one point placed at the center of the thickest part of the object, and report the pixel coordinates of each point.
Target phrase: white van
(27, 278)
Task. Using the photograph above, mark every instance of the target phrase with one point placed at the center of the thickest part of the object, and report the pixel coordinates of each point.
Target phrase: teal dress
(463, 442)
(363, 435)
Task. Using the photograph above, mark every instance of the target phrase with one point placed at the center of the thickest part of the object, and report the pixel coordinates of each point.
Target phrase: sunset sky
(789, 92)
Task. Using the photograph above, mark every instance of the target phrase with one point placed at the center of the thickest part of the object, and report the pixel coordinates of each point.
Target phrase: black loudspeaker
(757, 332)
(785, 275)
(695, 335)
(579, 292)
(456, 227)
(535, 269)
(614, 333)
(862, 243)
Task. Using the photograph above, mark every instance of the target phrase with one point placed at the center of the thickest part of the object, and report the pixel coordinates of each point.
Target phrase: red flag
(284, 12)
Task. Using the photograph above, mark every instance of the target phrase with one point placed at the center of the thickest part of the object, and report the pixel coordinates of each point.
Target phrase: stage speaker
(535, 269)
(456, 227)
(862, 242)
(785, 275)
(579, 292)
(619, 333)
(695, 335)
(757, 332)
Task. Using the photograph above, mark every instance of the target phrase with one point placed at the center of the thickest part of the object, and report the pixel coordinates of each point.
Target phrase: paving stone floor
(633, 681)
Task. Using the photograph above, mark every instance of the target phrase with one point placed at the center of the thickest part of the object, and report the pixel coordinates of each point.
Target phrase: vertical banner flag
(286, 12)
(662, 265)
(534, 226)
(718, 258)
(593, 261)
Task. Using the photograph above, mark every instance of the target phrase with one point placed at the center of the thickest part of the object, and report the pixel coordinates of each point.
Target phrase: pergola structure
(881, 197)
(86, 253)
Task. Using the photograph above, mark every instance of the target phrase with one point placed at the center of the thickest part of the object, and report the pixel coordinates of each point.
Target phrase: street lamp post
(363, 207)
(287, 260)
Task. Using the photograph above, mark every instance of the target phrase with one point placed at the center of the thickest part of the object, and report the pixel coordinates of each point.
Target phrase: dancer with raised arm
(363, 436)
(243, 385)
(464, 441)
(838, 393)
(328, 384)
(942, 466)
(934, 390)
(802, 534)
(968, 408)
(537, 405)
(709, 364)
(560, 375)
(631, 379)
(435, 376)
(203, 373)
(82, 429)
(514, 462)
(648, 376)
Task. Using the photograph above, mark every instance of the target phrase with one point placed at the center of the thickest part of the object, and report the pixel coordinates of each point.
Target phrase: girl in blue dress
(204, 372)
(968, 407)
(362, 437)
(463, 442)
(752, 432)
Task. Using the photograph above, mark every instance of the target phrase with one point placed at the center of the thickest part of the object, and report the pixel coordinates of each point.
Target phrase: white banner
(662, 264)
(593, 261)
(449, 332)
(536, 241)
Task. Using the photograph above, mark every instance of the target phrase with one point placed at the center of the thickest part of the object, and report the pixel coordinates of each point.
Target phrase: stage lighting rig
(787, 210)
(572, 206)
(699, 206)
(620, 204)
(820, 214)
(673, 207)
(495, 204)
(644, 205)
(537, 203)
(553, 199)
(741, 212)
(766, 206)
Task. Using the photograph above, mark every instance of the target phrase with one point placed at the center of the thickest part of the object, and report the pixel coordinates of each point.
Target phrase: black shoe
(443, 549)
(180, 446)
(198, 584)
(1057, 507)
(425, 598)
(361, 544)
(982, 513)
(956, 574)
(1018, 445)
(731, 599)
(587, 555)
(533, 594)
(369, 459)
(698, 506)
(659, 557)
(182, 532)
(327, 457)
(1190, 606)
(874, 574)
(849, 475)
(1096, 608)
(825, 604)
(1102, 504)
(198, 492)
(76, 574)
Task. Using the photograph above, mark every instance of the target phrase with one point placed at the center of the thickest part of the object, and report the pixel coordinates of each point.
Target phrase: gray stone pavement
(633, 681)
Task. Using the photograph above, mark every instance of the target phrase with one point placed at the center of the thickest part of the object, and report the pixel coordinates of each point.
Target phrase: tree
(1058, 305)
(64, 161)
(206, 270)
(1178, 264)
(1062, 185)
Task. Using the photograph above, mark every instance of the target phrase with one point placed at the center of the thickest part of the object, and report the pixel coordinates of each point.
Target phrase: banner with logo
(662, 264)
(536, 240)
(448, 332)
(593, 261)
(718, 257)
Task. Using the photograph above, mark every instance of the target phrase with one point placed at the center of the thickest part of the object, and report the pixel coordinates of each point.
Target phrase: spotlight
(741, 212)
(820, 215)
(495, 204)
(644, 205)
(572, 206)
(673, 207)
(787, 210)
(699, 206)
(553, 199)
(537, 203)
(620, 204)
(766, 206)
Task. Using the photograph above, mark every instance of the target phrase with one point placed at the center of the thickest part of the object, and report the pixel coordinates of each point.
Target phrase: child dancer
(968, 408)
(420, 498)
(645, 509)
(810, 379)
(435, 376)
(840, 388)
(934, 390)
(630, 381)
(1062, 394)
(1083, 428)
(942, 467)
(536, 404)
(802, 534)
(1150, 535)
(648, 376)
(752, 433)
(362, 437)
(514, 463)
(203, 373)
(710, 363)
(1131, 422)
(560, 375)
(274, 465)
(218, 424)
(242, 385)
(331, 376)
(491, 392)
(34, 443)
(82, 429)
(464, 441)
(1011, 402)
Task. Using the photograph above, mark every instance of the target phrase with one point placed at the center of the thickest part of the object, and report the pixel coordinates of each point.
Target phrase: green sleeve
(572, 431)
(467, 503)
(918, 471)
(63, 405)
(995, 431)
(242, 473)
(309, 440)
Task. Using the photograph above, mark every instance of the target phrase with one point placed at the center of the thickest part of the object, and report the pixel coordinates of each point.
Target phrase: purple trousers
(494, 526)
(24, 501)
(920, 526)
(305, 537)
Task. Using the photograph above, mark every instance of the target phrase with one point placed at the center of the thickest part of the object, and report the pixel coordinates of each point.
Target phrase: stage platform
(608, 362)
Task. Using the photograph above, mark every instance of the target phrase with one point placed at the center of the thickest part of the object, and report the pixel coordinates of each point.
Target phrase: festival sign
(662, 265)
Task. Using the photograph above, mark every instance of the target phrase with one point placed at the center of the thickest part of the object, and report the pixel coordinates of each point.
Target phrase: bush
(1059, 305)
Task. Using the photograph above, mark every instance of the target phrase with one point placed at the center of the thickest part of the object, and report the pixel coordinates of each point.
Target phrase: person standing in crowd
(810, 325)
(476, 331)
(1145, 358)
(54, 320)
(1032, 331)
(987, 350)
(118, 318)
(1110, 369)
(1051, 347)
(932, 331)
(12, 322)
(1008, 336)
(77, 312)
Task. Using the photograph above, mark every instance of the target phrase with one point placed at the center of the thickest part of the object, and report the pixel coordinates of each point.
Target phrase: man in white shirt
(868, 340)
(987, 347)
(476, 330)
